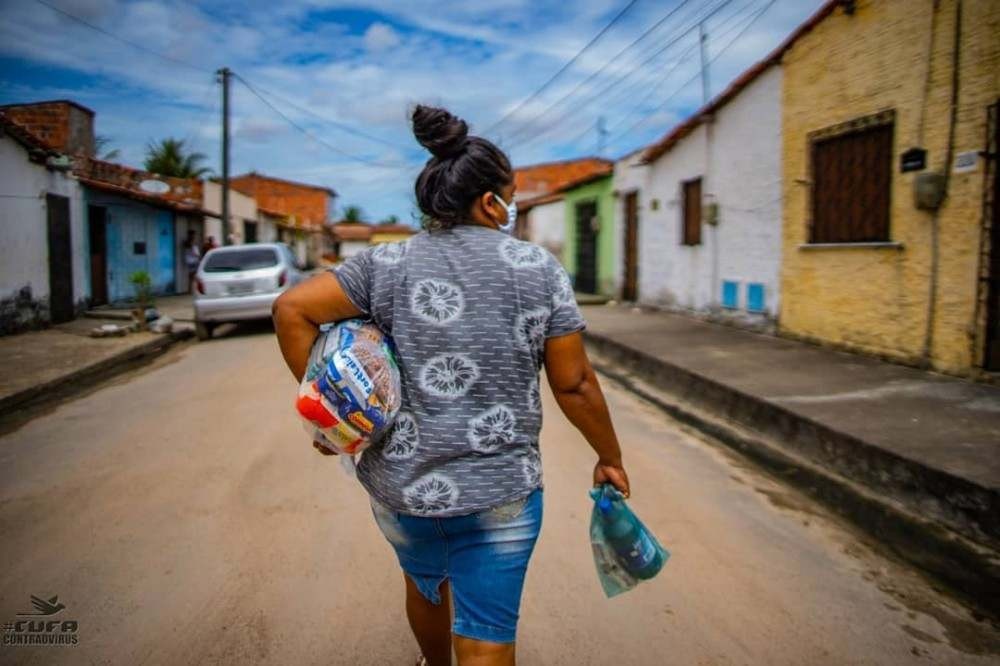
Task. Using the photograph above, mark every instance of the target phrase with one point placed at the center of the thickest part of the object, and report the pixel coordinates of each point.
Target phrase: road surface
(182, 517)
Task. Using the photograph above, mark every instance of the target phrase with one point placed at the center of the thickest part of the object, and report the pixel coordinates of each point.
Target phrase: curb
(944, 525)
(72, 382)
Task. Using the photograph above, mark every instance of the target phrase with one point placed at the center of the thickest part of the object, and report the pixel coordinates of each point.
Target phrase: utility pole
(602, 134)
(703, 40)
(224, 75)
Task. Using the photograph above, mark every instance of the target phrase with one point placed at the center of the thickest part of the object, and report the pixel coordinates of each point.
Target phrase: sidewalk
(56, 361)
(178, 308)
(902, 452)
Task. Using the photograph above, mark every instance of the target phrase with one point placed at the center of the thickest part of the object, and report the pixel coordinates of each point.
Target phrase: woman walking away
(456, 485)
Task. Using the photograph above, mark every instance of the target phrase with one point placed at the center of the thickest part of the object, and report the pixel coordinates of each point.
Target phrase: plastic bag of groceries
(351, 392)
(625, 552)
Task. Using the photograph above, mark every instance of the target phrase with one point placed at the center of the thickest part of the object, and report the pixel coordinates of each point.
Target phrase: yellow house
(889, 126)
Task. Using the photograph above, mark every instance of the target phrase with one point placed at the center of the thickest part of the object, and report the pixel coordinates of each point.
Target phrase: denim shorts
(483, 555)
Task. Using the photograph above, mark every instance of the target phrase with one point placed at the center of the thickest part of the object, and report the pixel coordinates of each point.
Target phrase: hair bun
(438, 131)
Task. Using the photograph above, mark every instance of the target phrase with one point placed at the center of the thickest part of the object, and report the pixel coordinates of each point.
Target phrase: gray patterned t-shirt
(469, 309)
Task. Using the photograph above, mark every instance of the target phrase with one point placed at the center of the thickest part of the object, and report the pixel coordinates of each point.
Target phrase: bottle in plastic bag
(625, 552)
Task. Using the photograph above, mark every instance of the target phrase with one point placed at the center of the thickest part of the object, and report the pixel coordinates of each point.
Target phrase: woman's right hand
(612, 473)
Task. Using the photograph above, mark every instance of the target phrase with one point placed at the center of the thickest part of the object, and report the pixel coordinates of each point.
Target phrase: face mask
(511, 215)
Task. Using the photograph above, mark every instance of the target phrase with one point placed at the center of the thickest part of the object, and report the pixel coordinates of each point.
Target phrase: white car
(240, 282)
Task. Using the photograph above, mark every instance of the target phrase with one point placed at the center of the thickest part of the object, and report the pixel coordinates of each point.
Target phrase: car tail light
(282, 278)
(199, 285)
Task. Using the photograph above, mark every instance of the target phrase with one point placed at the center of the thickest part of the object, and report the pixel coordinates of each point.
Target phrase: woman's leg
(483, 653)
(431, 624)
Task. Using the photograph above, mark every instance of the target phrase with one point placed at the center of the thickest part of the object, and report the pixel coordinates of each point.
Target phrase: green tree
(168, 157)
(102, 144)
(392, 219)
(353, 214)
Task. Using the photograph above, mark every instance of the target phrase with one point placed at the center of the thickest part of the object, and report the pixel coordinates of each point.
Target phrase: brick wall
(60, 125)
(307, 203)
(869, 299)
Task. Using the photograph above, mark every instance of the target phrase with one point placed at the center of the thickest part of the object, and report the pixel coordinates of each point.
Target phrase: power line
(683, 58)
(607, 64)
(614, 83)
(335, 123)
(310, 135)
(562, 69)
(697, 75)
(129, 42)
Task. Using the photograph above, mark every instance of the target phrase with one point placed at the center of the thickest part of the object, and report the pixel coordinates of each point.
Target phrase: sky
(339, 78)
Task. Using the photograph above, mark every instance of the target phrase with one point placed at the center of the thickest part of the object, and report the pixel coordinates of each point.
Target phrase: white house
(711, 229)
(244, 220)
(43, 257)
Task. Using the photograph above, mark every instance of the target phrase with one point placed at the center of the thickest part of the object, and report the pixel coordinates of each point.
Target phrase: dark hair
(462, 168)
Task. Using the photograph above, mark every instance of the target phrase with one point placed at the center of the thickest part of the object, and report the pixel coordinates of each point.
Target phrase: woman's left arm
(298, 312)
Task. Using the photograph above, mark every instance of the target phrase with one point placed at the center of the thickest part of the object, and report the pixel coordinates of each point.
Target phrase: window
(243, 258)
(851, 177)
(691, 212)
(756, 297)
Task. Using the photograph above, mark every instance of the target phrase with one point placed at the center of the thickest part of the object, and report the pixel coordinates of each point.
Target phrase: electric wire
(135, 45)
(314, 138)
(608, 63)
(562, 69)
(603, 92)
(695, 78)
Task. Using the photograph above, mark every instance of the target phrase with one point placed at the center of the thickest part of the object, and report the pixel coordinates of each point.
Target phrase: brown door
(691, 232)
(60, 259)
(630, 290)
(991, 360)
(97, 222)
(586, 247)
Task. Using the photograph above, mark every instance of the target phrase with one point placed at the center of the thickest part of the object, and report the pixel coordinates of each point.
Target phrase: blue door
(163, 271)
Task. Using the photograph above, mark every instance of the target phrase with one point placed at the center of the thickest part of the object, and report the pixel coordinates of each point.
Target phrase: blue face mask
(511, 215)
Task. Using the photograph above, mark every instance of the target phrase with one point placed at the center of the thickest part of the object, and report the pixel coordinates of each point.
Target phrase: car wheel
(203, 329)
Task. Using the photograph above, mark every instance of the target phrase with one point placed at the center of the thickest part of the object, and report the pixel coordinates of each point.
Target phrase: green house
(589, 250)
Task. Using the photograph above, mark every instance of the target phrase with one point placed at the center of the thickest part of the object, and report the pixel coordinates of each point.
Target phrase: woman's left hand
(322, 449)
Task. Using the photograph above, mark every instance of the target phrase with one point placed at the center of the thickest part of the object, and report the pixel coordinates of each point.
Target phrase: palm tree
(353, 214)
(168, 158)
(392, 219)
(101, 143)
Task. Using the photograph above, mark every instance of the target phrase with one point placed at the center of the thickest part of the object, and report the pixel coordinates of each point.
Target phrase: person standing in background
(192, 257)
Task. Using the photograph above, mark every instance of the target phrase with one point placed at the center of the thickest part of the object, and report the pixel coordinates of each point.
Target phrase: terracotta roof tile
(536, 180)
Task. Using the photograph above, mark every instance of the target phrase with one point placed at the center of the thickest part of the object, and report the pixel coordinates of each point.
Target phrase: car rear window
(241, 260)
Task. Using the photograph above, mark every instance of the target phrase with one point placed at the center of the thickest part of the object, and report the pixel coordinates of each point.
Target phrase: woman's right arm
(575, 385)
(299, 311)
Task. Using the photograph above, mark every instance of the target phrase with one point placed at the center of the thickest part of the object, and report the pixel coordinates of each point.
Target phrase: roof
(535, 180)
(657, 149)
(588, 178)
(35, 147)
(260, 176)
(352, 231)
(185, 194)
(394, 229)
(51, 101)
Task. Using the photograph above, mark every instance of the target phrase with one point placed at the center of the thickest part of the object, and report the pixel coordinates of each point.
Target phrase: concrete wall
(629, 176)
(738, 157)
(241, 207)
(607, 237)
(547, 226)
(24, 267)
(878, 300)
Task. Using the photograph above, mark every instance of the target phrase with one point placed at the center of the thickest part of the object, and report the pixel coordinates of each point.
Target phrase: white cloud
(478, 59)
(379, 37)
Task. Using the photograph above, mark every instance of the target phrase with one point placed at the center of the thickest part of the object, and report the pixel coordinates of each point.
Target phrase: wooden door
(586, 247)
(630, 284)
(60, 259)
(97, 222)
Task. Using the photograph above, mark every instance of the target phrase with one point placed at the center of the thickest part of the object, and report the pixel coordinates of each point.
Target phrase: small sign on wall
(967, 161)
(914, 159)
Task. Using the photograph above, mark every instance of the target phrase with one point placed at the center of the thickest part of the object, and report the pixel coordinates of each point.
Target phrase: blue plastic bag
(625, 552)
